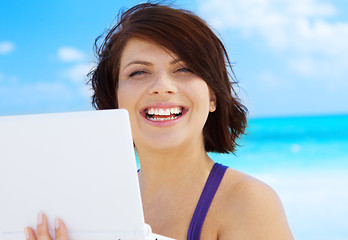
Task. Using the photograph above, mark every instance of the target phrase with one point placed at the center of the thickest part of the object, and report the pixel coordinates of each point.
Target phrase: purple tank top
(208, 193)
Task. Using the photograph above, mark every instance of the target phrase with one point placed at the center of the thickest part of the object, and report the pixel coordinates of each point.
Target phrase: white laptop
(77, 166)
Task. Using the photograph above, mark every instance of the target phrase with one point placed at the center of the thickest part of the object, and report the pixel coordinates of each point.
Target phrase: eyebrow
(139, 62)
(146, 63)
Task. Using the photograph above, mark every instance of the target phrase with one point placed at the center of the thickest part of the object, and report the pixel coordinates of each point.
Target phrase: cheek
(125, 95)
(121, 98)
(129, 94)
(201, 94)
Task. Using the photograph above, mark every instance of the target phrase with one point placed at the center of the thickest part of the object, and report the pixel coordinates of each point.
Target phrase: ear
(212, 101)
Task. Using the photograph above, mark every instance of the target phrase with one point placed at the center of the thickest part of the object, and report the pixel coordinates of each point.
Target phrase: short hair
(189, 37)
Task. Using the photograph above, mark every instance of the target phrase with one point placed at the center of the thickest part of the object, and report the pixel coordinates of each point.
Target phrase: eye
(184, 70)
(137, 73)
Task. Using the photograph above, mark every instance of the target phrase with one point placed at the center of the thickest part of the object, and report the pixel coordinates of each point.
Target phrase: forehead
(141, 49)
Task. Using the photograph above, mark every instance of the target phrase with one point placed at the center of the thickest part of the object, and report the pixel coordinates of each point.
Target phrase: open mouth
(163, 114)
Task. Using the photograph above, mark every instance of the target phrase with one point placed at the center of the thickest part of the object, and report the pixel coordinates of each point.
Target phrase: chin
(164, 144)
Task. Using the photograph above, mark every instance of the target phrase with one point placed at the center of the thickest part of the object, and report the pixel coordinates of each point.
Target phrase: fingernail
(39, 218)
(56, 223)
(26, 231)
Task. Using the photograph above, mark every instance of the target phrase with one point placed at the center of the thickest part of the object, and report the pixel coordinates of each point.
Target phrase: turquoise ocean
(305, 160)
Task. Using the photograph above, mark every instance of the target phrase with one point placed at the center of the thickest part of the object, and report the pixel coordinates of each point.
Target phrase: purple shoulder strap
(208, 193)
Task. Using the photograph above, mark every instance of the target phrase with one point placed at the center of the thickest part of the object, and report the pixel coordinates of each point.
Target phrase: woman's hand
(42, 229)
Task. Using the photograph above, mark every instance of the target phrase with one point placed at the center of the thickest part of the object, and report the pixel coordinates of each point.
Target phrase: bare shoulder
(252, 209)
(249, 191)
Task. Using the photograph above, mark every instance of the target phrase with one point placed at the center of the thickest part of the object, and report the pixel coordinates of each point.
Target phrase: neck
(170, 169)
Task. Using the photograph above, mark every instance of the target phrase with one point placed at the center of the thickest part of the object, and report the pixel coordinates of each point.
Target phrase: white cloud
(295, 28)
(17, 97)
(274, 20)
(31, 92)
(305, 66)
(70, 54)
(78, 75)
(7, 80)
(269, 81)
(24, 97)
(78, 72)
(6, 47)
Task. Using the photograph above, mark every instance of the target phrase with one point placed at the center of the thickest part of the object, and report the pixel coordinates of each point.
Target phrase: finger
(42, 227)
(30, 234)
(61, 232)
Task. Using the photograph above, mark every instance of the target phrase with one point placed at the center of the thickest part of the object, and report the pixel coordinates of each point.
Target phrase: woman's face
(168, 104)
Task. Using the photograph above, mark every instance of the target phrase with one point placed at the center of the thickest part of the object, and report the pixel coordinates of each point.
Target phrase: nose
(162, 84)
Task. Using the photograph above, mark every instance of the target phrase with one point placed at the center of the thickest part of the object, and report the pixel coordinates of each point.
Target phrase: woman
(167, 68)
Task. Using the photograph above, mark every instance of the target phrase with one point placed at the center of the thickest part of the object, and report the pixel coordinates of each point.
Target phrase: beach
(305, 160)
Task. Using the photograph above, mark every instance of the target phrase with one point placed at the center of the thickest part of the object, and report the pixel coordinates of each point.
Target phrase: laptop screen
(77, 166)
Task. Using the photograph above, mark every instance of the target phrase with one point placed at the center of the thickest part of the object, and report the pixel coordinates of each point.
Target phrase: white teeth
(175, 110)
(151, 111)
(163, 111)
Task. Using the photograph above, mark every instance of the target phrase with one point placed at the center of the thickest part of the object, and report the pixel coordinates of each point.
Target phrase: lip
(164, 123)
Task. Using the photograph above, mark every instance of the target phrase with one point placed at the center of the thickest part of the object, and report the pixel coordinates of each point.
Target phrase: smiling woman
(168, 69)
(195, 45)
(161, 85)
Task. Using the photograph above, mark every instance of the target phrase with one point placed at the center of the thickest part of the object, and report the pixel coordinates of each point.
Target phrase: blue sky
(289, 56)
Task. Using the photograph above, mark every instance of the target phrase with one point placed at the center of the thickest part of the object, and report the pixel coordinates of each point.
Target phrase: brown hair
(188, 36)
